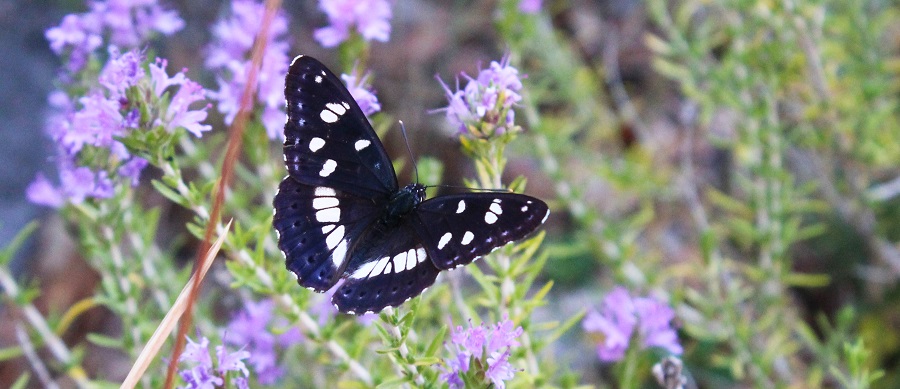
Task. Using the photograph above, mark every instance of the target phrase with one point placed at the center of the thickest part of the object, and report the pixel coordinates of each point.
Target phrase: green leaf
(168, 193)
(807, 280)
(21, 382)
(105, 341)
(435, 345)
(8, 353)
(13, 247)
(395, 382)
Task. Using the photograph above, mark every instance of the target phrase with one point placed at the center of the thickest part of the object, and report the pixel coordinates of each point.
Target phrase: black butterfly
(341, 214)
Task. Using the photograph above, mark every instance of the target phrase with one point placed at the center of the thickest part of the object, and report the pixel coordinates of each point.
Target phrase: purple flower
(491, 346)
(499, 370)
(366, 99)
(95, 124)
(122, 71)
(178, 113)
(128, 24)
(530, 6)
(104, 115)
(622, 316)
(78, 33)
(484, 106)
(42, 192)
(132, 169)
(250, 328)
(371, 18)
(229, 56)
(76, 185)
(203, 375)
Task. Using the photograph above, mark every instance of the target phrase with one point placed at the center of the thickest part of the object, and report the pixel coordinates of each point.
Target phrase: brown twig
(235, 138)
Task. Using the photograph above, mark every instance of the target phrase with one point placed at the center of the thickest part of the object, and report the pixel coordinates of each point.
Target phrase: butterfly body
(340, 213)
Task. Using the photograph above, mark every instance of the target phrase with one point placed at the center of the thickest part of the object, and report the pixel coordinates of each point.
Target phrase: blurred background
(651, 168)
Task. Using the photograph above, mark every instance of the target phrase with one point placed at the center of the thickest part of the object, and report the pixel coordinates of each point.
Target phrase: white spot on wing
(496, 201)
(337, 108)
(325, 191)
(329, 215)
(335, 237)
(361, 144)
(490, 218)
(461, 206)
(328, 168)
(495, 208)
(467, 238)
(318, 79)
(328, 116)
(444, 240)
(326, 229)
(545, 216)
(400, 262)
(325, 202)
(364, 270)
(524, 208)
(379, 267)
(316, 143)
(337, 257)
(420, 254)
(346, 105)
(411, 261)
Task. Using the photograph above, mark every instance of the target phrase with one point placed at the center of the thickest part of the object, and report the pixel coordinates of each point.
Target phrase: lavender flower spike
(484, 107)
(491, 347)
(622, 318)
(370, 17)
(203, 374)
(366, 98)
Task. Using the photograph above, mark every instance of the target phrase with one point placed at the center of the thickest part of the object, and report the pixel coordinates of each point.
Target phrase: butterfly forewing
(317, 226)
(457, 229)
(327, 139)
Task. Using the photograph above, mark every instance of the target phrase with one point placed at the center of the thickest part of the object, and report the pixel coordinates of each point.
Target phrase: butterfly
(340, 213)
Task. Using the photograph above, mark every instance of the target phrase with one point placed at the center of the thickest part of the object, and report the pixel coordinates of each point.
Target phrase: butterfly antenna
(409, 150)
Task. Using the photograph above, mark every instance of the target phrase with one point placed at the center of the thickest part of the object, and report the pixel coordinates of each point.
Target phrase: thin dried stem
(235, 140)
(171, 319)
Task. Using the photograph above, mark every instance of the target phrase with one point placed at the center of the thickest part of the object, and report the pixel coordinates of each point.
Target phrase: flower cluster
(483, 107)
(357, 86)
(622, 316)
(203, 374)
(229, 56)
(481, 352)
(371, 18)
(250, 328)
(530, 6)
(126, 24)
(88, 131)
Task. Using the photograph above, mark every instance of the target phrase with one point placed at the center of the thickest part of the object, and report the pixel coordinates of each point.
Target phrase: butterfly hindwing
(327, 139)
(388, 267)
(457, 229)
(317, 226)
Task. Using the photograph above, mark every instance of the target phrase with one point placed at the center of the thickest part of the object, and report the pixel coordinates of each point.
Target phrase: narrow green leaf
(22, 381)
(13, 247)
